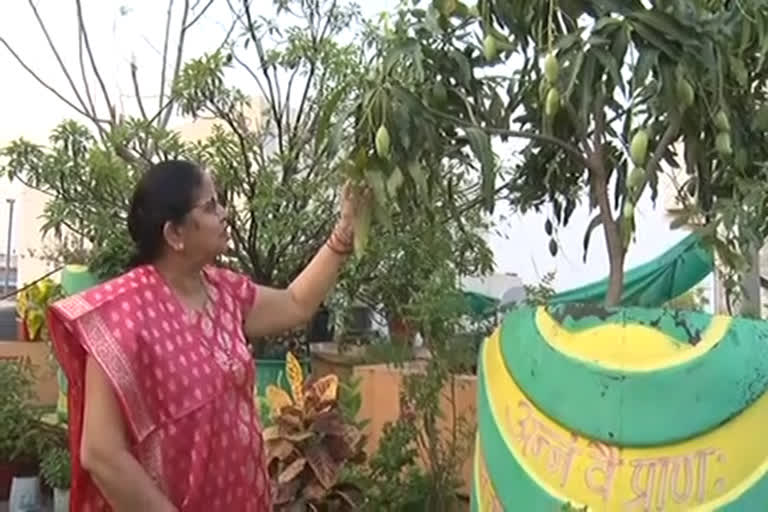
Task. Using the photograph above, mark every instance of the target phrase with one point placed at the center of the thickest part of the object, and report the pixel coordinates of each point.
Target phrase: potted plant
(309, 443)
(35, 441)
(55, 468)
(24, 436)
(17, 457)
(31, 306)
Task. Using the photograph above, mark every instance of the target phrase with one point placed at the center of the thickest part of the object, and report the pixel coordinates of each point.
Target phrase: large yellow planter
(630, 409)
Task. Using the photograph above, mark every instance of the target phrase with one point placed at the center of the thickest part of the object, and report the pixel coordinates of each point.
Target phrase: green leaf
(394, 182)
(570, 206)
(419, 177)
(620, 44)
(653, 38)
(565, 42)
(412, 102)
(324, 118)
(464, 69)
(739, 71)
(480, 143)
(382, 215)
(409, 47)
(375, 180)
(496, 110)
(401, 121)
(647, 59)
(596, 221)
(606, 21)
(610, 65)
(574, 69)
(587, 88)
(665, 24)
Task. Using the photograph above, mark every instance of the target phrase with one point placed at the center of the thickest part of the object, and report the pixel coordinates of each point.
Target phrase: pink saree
(184, 381)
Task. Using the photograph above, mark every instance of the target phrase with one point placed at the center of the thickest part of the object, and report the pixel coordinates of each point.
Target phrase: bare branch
(164, 65)
(228, 35)
(56, 54)
(199, 14)
(179, 57)
(167, 105)
(316, 39)
(136, 90)
(94, 68)
(83, 74)
(286, 108)
(252, 73)
(42, 82)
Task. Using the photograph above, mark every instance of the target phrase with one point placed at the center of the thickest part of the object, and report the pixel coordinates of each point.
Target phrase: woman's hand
(278, 310)
(354, 198)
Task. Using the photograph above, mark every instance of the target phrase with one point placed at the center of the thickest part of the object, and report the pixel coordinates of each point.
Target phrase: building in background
(9, 222)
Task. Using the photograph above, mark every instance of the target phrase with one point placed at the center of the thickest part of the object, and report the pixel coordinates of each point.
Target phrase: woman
(160, 399)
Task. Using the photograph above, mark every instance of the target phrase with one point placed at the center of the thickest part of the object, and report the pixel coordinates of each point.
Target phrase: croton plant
(309, 443)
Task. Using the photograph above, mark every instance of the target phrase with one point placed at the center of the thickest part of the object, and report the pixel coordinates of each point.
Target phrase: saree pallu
(184, 382)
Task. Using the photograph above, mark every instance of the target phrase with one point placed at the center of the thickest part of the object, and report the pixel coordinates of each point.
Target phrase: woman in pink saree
(161, 381)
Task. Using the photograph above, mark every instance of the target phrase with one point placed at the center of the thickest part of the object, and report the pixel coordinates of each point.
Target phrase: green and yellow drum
(74, 279)
(632, 409)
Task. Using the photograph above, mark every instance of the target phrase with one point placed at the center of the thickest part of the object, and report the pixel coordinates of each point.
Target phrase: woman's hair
(165, 193)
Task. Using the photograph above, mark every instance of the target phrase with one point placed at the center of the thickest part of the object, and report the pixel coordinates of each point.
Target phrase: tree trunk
(612, 240)
(750, 303)
(599, 178)
(615, 277)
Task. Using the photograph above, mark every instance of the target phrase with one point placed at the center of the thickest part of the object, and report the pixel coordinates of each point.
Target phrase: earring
(179, 247)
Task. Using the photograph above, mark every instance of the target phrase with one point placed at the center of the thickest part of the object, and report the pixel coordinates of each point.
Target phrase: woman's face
(204, 234)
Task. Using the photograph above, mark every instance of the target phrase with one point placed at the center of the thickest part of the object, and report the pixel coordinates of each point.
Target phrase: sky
(121, 35)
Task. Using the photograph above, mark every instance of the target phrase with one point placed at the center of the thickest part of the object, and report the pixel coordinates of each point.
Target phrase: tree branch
(599, 190)
(164, 58)
(42, 82)
(83, 74)
(503, 132)
(137, 92)
(56, 54)
(198, 15)
(179, 57)
(273, 101)
(669, 136)
(253, 74)
(94, 68)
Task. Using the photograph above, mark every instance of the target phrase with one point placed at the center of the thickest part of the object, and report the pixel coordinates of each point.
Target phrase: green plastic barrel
(77, 278)
(74, 279)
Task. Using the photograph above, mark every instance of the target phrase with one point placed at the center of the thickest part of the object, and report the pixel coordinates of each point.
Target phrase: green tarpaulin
(650, 285)
(654, 283)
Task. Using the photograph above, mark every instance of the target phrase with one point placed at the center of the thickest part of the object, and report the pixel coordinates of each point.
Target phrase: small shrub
(309, 443)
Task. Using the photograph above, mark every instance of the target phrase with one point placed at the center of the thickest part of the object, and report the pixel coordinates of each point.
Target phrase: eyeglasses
(210, 205)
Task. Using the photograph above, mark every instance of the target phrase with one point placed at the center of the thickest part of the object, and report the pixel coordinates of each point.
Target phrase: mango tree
(605, 92)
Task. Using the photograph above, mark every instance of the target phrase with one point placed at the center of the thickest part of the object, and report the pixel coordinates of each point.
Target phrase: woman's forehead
(207, 186)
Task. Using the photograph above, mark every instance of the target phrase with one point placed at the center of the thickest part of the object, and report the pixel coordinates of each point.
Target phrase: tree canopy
(607, 93)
